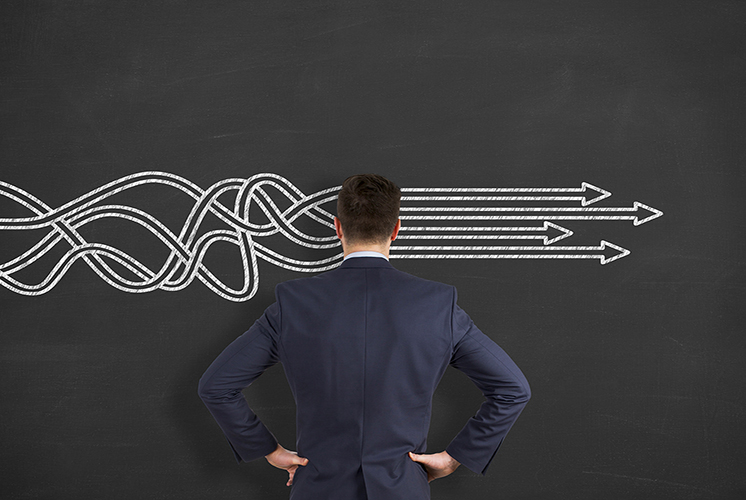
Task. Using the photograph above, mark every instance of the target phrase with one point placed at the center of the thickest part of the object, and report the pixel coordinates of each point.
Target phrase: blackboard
(636, 365)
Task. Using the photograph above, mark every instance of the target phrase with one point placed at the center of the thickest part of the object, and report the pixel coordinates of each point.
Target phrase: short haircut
(368, 208)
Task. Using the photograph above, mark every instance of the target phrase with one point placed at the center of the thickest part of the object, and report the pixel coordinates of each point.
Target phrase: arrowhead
(555, 233)
(593, 194)
(614, 252)
(645, 213)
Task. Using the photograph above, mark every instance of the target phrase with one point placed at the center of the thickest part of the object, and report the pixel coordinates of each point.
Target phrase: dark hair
(368, 208)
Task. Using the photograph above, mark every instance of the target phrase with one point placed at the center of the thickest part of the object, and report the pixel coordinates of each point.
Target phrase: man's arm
(502, 383)
(220, 388)
(234, 369)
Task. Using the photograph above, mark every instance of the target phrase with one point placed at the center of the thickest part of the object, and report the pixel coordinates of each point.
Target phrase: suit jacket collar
(360, 262)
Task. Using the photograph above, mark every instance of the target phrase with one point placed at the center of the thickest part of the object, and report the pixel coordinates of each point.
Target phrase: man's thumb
(423, 459)
(301, 461)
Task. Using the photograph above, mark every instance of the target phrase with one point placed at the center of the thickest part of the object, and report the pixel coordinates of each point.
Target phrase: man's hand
(437, 465)
(287, 460)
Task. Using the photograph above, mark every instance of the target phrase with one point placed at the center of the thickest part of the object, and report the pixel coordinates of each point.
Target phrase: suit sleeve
(234, 369)
(505, 388)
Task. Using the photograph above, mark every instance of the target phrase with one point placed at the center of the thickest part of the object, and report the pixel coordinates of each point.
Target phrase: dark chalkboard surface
(631, 335)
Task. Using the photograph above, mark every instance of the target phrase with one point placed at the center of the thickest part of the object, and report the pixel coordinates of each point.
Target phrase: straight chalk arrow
(605, 252)
(642, 213)
(552, 233)
(590, 194)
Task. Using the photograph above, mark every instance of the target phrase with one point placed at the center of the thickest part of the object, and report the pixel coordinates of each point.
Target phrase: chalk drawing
(187, 249)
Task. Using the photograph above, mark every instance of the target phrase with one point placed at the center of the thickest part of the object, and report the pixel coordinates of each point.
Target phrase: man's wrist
(452, 462)
(277, 449)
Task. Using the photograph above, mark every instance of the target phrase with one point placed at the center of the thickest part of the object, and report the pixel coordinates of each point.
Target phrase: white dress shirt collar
(365, 253)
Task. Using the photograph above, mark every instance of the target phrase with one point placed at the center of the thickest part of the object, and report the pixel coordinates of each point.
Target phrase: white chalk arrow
(642, 213)
(606, 252)
(590, 194)
(549, 232)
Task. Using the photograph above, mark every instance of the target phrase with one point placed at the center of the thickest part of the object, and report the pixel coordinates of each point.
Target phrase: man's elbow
(523, 390)
(214, 390)
(526, 392)
(205, 390)
(515, 396)
(518, 394)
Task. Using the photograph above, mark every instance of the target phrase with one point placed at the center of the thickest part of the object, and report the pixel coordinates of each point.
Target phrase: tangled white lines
(187, 249)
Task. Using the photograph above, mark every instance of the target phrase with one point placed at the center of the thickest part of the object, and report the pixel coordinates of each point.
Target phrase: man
(363, 348)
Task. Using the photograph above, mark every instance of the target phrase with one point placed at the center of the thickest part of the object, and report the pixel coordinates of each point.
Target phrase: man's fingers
(296, 460)
(291, 474)
(423, 459)
(437, 465)
(299, 461)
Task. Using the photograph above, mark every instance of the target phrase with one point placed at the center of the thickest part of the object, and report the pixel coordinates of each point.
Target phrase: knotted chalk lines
(428, 215)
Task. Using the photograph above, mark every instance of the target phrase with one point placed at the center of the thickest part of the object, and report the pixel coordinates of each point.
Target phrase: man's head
(368, 209)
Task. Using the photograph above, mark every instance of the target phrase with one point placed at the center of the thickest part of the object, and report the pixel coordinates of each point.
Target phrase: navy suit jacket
(363, 348)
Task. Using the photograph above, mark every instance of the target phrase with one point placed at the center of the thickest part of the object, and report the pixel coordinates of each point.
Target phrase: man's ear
(338, 228)
(396, 230)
